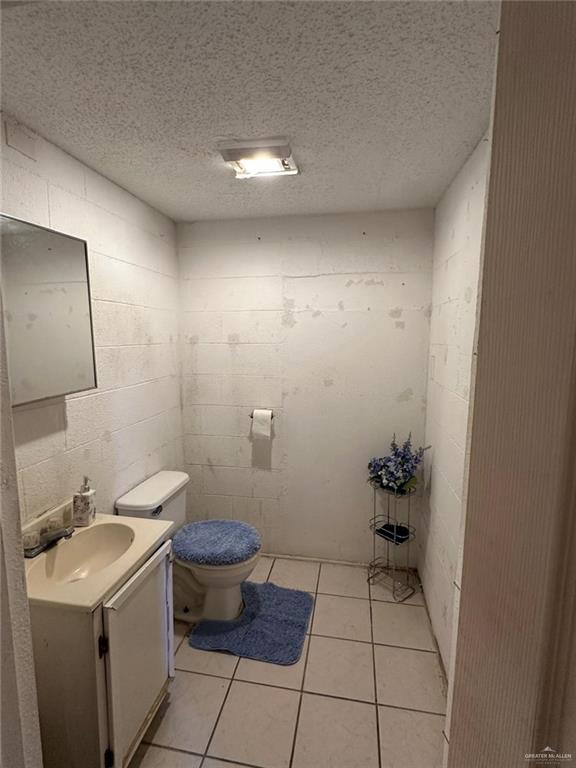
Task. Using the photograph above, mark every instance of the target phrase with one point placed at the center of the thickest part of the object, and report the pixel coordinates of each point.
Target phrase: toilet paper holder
(252, 415)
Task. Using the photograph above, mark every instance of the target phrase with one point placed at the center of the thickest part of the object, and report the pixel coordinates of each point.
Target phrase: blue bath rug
(272, 626)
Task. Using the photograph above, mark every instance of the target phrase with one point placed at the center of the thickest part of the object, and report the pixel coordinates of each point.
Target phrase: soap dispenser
(84, 507)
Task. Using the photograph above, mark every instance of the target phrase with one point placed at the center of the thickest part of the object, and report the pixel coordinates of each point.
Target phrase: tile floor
(368, 691)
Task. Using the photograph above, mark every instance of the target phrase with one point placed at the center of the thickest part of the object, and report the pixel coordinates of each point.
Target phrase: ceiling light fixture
(262, 157)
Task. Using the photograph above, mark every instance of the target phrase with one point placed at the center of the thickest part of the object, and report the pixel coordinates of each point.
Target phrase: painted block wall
(324, 319)
(19, 726)
(130, 427)
(458, 224)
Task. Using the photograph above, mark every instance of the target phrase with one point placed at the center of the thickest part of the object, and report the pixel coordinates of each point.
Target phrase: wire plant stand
(391, 528)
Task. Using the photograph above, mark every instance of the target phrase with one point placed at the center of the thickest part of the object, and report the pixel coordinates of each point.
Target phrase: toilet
(212, 557)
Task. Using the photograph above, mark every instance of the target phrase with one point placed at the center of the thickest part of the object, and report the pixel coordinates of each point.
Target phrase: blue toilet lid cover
(216, 542)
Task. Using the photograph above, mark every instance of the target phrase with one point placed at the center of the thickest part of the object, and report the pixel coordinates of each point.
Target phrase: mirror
(48, 320)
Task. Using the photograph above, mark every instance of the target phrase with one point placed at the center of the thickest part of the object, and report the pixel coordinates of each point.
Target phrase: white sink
(82, 571)
(85, 554)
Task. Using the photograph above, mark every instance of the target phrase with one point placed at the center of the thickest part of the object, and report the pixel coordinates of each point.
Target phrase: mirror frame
(90, 313)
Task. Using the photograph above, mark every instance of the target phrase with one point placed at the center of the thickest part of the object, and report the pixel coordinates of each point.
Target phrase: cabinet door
(139, 626)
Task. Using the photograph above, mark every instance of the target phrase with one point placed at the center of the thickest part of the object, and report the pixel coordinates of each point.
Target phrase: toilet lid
(216, 542)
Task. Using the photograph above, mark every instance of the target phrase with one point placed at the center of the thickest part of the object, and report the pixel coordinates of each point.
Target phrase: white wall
(457, 246)
(324, 319)
(19, 727)
(131, 426)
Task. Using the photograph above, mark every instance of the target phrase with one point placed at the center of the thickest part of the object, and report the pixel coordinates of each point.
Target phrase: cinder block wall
(325, 319)
(457, 246)
(131, 425)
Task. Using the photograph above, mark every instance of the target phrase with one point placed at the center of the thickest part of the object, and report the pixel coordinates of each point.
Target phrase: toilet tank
(160, 497)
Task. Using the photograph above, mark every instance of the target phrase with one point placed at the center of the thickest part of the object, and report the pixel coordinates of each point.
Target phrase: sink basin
(87, 553)
(82, 572)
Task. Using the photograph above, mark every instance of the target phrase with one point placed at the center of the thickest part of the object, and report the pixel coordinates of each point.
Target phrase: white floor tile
(335, 734)
(343, 580)
(410, 739)
(256, 726)
(206, 662)
(345, 617)
(273, 674)
(295, 574)
(412, 679)
(181, 629)
(340, 668)
(148, 756)
(261, 572)
(381, 591)
(405, 625)
(187, 719)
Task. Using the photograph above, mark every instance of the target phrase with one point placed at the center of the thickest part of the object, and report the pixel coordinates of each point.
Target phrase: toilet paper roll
(262, 423)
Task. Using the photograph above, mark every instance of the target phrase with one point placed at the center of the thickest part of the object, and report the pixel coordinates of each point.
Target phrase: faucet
(47, 539)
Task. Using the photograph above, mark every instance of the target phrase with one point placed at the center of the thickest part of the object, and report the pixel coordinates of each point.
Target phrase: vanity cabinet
(102, 674)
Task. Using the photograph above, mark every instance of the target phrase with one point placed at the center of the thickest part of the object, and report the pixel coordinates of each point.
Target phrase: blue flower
(397, 469)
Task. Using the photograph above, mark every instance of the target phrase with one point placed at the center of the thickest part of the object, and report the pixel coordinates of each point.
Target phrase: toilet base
(217, 587)
(188, 595)
(223, 604)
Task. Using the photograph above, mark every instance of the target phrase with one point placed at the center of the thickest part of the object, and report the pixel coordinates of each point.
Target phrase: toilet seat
(211, 557)
(216, 543)
(218, 555)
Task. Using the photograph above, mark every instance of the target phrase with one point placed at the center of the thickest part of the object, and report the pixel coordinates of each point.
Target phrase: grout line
(344, 639)
(189, 311)
(309, 693)
(405, 604)
(370, 642)
(389, 602)
(156, 272)
(213, 674)
(133, 303)
(375, 686)
(288, 688)
(334, 594)
(224, 343)
(181, 641)
(297, 723)
(270, 571)
(201, 755)
(317, 560)
(287, 276)
(168, 748)
(377, 704)
(302, 690)
(411, 709)
(139, 344)
(407, 648)
(229, 762)
(221, 709)
(435, 641)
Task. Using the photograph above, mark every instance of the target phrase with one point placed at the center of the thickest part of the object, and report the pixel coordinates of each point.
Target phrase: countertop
(85, 594)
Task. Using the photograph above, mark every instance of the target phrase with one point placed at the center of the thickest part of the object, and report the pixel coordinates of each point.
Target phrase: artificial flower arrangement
(397, 471)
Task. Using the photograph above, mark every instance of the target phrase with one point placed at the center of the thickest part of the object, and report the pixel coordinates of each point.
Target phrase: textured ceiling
(382, 101)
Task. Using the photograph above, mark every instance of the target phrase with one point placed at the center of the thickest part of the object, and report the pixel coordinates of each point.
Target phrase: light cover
(263, 157)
